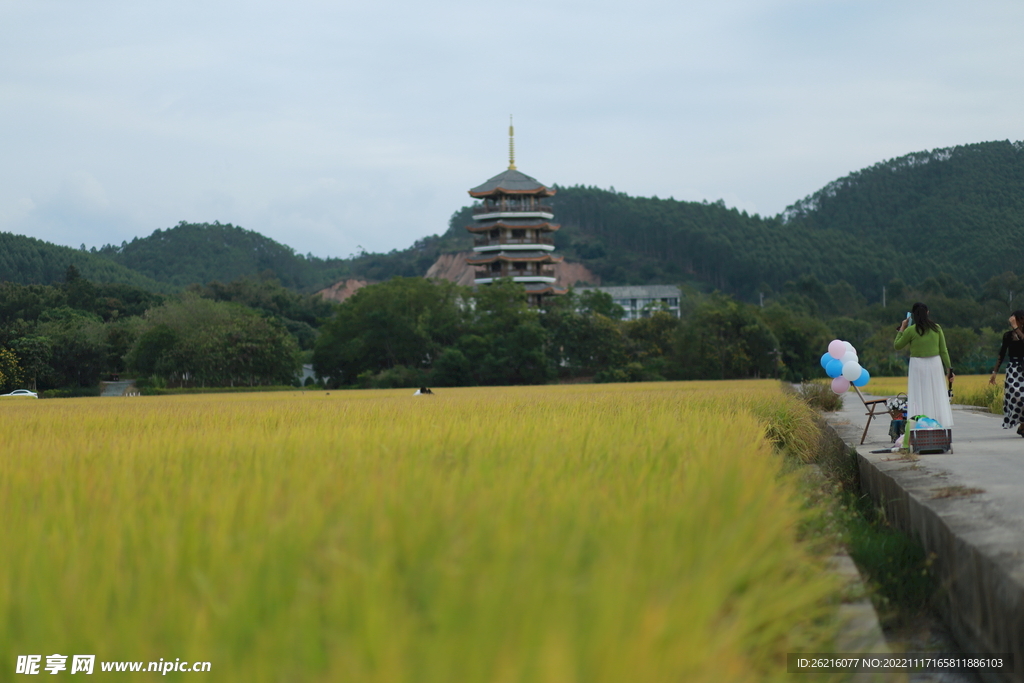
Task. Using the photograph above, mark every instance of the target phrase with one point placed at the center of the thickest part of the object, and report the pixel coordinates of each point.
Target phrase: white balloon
(851, 370)
(850, 356)
(849, 347)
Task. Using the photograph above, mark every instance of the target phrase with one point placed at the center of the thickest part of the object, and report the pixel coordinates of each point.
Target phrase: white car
(20, 392)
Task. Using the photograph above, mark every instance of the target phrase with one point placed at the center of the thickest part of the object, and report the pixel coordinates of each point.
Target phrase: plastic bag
(925, 422)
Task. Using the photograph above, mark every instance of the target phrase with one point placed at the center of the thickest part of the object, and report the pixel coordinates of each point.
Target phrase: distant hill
(958, 210)
(26, 260)
(203, 252)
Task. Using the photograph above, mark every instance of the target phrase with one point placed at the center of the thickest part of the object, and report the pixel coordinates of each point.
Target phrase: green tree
(1005, 289)
(581, 341)
(195, 341)
(33, 354)
(10, 371)
(589, 344)
(81, 294)
(453, 369)
(595, 301)
(405, 321)
(801, 341)
(515, 340)
(152, 352)
(301, 314)
(724, 339)
(651, 337)
(78, 347)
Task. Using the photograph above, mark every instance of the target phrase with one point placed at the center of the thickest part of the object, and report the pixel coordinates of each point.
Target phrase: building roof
(514, 223)
(510, 182)
(524, 256)
(637, 291)
(543, 288)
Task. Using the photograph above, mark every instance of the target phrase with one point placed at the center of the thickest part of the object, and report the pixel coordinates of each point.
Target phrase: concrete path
(967, 507)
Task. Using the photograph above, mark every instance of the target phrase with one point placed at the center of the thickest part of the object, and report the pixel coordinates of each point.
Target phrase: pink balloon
(837, 349)
(840, 385)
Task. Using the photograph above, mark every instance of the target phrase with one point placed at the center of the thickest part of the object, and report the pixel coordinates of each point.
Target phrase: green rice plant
(598, 533)
(986, 395)
(969, 390)
(963, 384)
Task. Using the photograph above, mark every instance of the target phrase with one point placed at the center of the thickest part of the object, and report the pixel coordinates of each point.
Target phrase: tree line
(414, 332)
(410, 332)
(70, 336)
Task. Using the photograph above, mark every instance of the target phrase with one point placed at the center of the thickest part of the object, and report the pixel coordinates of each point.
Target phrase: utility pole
(883, 296)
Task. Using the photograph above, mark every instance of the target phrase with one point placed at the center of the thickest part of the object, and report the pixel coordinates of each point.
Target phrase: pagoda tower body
(514, 233)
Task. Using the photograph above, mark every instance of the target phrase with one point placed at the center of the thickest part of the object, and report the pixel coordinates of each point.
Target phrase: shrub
(819, 395)
(70, 392)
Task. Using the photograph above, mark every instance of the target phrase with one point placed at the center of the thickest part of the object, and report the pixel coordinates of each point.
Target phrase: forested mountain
(958, 211)
(26, 260)
(199, 253)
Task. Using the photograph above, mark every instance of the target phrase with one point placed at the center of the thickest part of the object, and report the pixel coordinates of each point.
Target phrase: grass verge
(895, 567)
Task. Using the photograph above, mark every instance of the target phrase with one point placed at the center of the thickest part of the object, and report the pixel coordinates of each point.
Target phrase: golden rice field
(972, 390)
(589, 533)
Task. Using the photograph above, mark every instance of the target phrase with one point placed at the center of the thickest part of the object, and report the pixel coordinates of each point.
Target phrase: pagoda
(513, 231)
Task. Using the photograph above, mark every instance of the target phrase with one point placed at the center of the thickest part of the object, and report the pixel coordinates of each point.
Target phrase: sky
(335, 126)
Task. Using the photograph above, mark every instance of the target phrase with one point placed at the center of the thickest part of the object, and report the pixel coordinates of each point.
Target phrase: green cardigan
(923, 346)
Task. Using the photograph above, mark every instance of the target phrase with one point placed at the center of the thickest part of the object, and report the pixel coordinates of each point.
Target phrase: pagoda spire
(511, 145)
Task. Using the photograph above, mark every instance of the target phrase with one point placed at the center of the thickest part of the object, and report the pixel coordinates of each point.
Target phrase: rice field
(971, 390)
(591, 533)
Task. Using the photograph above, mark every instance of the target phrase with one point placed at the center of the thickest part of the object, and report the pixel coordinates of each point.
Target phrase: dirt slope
(454, 267)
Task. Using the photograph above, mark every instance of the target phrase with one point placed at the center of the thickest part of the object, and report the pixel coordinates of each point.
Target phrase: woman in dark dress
(1012, 350)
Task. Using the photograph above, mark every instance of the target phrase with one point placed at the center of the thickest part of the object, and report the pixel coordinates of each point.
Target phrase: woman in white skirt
(927, 392)
(1012, 350)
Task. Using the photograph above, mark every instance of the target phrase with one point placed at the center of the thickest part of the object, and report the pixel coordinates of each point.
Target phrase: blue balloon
(834, 368)
(864, 378)
(825, 359)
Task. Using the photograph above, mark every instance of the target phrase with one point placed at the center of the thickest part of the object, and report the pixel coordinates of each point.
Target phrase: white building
(639, 301)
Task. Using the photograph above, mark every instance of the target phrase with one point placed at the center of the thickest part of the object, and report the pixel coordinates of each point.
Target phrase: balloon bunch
(843, 366)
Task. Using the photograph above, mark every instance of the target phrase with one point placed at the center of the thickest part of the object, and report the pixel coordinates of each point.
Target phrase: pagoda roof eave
(484, 227)
(546, 192)
(520, 257)
(544, 288)
(511, 181)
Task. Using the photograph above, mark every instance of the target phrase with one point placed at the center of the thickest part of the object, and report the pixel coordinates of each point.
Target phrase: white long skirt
(927, 391)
